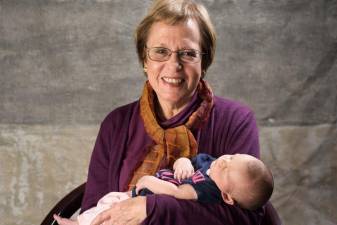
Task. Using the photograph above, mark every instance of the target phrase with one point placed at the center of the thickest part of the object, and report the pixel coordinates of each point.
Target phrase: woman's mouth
(175, 81)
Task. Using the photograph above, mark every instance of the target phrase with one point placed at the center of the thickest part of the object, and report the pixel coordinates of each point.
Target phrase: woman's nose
(174, 61)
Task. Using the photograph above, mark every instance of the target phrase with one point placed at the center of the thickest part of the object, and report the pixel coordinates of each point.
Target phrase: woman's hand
(183, 168)
(64, 221)
(128, 212)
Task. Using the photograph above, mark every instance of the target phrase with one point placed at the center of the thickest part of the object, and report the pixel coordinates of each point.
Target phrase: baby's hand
(183, 168)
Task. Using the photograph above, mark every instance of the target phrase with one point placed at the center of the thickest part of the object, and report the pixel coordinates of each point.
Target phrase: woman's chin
(174, 99)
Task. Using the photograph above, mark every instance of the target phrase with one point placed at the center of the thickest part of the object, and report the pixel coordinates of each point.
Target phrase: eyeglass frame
(177, 51)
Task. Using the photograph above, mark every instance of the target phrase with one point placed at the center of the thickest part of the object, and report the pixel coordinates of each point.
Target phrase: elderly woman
(176, 116)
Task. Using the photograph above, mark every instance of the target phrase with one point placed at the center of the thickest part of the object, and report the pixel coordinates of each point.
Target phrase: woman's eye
(162, 51)
(189, 53)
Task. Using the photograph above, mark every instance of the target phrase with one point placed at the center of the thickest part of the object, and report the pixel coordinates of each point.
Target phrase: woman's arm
(158, 186)
(97, 182)
(107, 156)
(167, 210)
(244, 136)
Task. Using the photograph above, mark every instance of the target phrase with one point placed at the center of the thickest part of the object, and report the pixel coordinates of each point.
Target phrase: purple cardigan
(120, 146)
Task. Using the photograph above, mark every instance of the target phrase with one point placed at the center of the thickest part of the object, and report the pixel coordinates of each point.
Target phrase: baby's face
(230, 171)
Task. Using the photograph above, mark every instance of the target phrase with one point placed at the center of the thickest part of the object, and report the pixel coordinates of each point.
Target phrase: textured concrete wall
(64, 64)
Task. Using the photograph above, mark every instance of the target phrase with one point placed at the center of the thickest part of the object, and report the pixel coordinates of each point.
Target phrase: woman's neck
(166, 111)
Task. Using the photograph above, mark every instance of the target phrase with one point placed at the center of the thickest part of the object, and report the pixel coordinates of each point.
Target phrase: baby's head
(243, 180)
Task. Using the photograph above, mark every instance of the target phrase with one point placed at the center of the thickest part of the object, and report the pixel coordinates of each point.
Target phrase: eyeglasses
(161, 54)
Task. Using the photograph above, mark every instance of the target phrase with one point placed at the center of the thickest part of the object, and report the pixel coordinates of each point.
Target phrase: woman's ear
(227, 198)
(145, 68)
(203, 74)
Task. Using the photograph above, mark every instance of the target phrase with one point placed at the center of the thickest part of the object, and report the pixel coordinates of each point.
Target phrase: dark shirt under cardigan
(121, 144)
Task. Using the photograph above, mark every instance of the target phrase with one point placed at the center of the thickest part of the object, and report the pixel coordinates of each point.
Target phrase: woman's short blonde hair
(173, 12)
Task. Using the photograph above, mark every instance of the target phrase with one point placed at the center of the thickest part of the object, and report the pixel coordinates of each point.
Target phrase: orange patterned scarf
(171, 143)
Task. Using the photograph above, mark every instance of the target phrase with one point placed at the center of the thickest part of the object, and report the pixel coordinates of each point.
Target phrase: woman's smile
(173, 81)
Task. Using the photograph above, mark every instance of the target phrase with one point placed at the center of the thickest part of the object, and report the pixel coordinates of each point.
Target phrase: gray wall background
(64, 64)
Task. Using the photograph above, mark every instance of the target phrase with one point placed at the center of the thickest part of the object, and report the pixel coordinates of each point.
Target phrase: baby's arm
(157, 186)
(183, 168)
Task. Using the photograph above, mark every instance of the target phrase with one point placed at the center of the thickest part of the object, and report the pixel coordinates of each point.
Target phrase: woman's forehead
(161, 32)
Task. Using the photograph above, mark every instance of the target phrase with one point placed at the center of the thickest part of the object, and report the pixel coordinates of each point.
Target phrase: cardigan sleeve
(231, 129)
(244, 137)
(97, 184)
(107, 157)
(166, 210)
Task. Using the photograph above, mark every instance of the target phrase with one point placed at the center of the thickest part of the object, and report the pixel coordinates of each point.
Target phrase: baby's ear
(227, 198)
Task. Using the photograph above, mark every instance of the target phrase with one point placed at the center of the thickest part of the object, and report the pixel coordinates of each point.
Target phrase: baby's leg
(65, 221)
(103, 204)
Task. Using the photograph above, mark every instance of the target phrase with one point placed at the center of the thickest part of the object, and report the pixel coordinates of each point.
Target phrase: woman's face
(174, 81)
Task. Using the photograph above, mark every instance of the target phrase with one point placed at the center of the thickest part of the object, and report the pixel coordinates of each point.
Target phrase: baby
(234, 179)
(239, 179)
